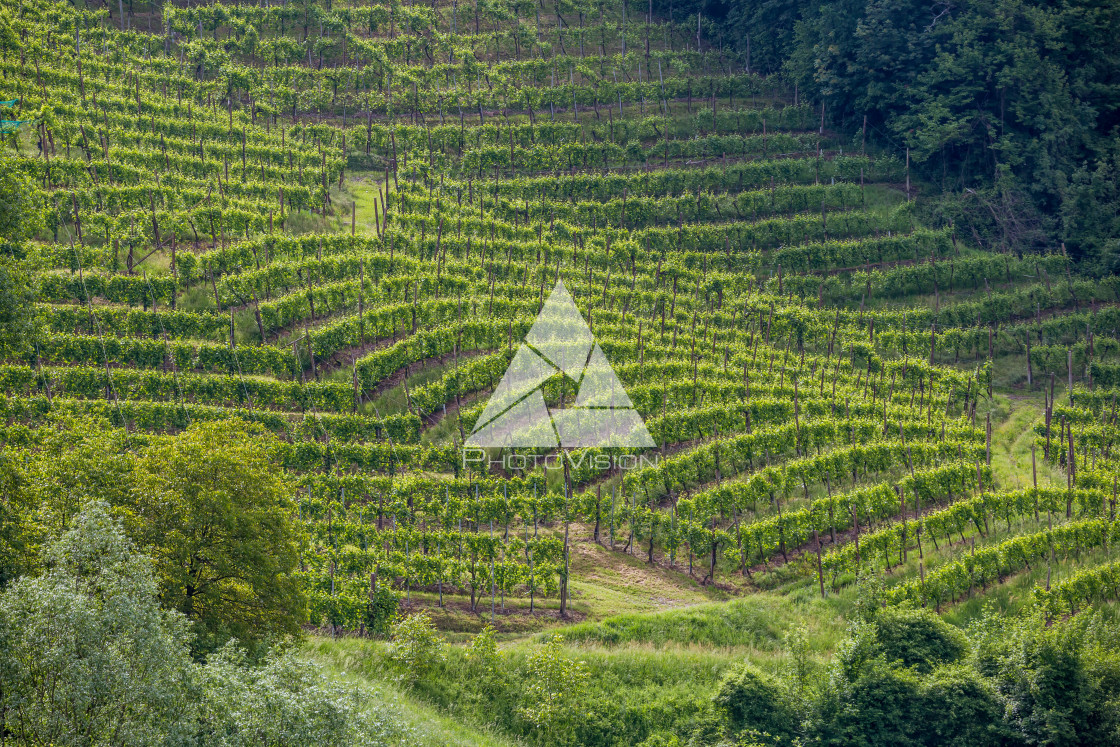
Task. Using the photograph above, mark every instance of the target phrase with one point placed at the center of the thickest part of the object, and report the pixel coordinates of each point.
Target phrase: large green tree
(88, 657)
(215, 513)
(209, 505)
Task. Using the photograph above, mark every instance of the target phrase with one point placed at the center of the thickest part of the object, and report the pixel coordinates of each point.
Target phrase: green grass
(198, 297)
(606, 583)
(347, 662)
(393, 400)
(879, 197)
(1013, 421)
(304, 222)
(756, 623)
(360, 190)
(630, 692)
(446, 430)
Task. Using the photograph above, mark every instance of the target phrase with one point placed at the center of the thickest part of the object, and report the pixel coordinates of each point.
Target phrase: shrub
(960, 709)
(751, 699)
(381, 611)
(880, 707)
(918, 638)
(415, 646)
(552, 696)
(283, 701)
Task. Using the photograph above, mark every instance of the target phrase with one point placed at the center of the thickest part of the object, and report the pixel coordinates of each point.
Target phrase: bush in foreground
(87, 656)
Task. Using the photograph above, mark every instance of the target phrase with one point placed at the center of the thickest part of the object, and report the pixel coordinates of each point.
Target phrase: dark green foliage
(960, 709)
(880, 708)
(1043, 674)
(215, 514)
(1090, 210)
(380, 611)
(907, 679)
(887, 705)
(769, 24)
(750, 699)
(918, 638)
(1008, 105)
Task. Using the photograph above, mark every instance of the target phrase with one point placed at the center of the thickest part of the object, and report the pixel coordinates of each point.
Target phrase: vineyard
(340, 223)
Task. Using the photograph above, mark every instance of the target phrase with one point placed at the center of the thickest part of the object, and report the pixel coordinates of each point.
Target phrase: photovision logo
(559, 342)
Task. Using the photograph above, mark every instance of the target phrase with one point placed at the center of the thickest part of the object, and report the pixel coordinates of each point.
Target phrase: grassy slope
(427, 726)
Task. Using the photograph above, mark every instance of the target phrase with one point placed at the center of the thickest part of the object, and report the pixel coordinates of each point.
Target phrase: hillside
(342, 225)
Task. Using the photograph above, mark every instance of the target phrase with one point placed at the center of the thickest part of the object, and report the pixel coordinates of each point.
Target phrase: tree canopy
(88, 656)
(215, 514)
(208, 504)
(1011, 106)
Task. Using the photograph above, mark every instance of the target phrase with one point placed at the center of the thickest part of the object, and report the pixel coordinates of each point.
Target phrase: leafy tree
(870, 595)
(415, 646)
(771, 27)
(215, 513)
(1089, 210)
(874, 694)
(552, 695)
(800, 668)
(90, 656)
(1011, 105)
(1102, 666)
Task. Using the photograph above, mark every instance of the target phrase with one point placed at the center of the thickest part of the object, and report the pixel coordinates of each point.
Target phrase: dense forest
(1009, 110)
(276, 280)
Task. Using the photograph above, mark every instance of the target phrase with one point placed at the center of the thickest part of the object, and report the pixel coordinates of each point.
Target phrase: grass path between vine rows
(363, 189)
(1014, 417)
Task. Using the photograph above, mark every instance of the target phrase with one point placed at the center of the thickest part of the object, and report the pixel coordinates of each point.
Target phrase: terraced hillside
(340, 223)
